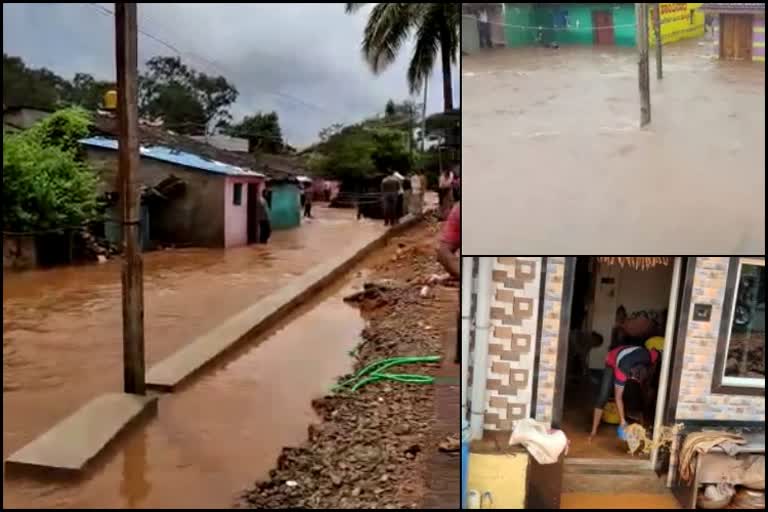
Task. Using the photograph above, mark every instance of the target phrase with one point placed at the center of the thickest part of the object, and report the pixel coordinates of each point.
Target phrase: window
(237, 194)
(741, 348)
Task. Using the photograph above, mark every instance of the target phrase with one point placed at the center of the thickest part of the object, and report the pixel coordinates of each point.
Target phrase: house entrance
(602, 23)
(736, 36)
(617, 302)
(253, 213)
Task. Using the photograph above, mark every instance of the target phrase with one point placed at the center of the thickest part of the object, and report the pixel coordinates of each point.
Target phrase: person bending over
(622, 364)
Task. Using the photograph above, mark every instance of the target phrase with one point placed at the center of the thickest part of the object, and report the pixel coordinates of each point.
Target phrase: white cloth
(483, 16)
(544, 444)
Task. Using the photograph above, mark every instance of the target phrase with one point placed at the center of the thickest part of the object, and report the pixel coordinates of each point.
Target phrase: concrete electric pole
(641, 15)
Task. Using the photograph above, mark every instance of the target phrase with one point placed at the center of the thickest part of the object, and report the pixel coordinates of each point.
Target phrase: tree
(87, 92)
(24, 86)
(46, 186)
(262, 131)
(436, 29)
(389, 153)
(188, 101)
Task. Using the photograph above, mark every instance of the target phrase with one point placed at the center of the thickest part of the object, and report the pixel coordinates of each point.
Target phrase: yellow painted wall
(503, 475)
(676, 22)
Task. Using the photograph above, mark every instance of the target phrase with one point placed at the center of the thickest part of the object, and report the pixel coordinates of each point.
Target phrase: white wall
(635, 289)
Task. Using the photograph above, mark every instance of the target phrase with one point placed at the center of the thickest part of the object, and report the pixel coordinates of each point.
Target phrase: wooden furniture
(686, 492)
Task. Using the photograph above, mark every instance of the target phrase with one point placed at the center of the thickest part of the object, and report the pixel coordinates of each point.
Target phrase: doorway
(602, 23)
(252, 223)
(613, 305)
(736, 36)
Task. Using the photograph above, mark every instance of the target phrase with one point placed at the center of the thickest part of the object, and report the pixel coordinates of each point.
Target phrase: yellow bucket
(656, 342)
(611, 413)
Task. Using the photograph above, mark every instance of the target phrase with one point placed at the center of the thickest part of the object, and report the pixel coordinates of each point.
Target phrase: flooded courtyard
(552, 144)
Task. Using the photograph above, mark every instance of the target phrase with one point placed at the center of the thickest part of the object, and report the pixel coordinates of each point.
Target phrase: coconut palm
(436, 28)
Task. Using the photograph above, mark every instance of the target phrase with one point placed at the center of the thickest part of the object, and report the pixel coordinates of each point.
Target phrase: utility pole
(641, 15)
(657, 33)
(128, 154)
(424, 117)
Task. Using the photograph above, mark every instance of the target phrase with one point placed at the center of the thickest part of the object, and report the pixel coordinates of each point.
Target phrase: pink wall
(236, 216)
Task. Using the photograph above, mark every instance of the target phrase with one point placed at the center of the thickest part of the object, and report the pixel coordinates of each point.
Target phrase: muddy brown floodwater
(61, 347)
(552, 147)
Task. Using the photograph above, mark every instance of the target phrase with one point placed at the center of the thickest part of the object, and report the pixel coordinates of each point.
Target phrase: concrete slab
(175, 369)
(77, 440)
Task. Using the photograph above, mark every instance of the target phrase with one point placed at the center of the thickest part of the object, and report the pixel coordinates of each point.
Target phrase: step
(75, 441)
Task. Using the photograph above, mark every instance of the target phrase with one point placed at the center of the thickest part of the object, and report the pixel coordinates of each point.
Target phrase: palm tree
(436, 27)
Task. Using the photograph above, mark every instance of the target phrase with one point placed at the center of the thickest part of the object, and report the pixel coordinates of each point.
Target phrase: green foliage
(43, 89)
(189, 101)
(390, 153)
(262, 131)
(45, 184)
(435, 28)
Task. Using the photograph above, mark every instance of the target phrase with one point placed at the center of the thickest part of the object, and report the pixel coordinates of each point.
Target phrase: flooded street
(62, 346)
(552, 141)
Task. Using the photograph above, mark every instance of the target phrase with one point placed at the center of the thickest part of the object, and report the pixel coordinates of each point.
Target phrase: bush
(46, 186)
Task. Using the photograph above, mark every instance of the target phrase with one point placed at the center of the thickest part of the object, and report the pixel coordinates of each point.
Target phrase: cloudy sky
(302, 60)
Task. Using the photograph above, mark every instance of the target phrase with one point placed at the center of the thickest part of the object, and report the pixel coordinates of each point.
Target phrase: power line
(211, 64)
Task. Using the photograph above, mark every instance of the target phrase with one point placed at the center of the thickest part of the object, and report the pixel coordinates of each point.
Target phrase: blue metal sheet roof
(177, 157)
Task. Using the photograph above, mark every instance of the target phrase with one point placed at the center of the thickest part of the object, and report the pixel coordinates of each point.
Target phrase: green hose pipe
(376, 372)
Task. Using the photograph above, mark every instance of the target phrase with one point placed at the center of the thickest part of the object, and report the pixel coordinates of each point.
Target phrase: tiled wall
(695, 399)
(512, 340)
(550, 336)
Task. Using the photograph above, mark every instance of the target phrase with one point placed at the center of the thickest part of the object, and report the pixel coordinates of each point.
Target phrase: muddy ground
(372, 448)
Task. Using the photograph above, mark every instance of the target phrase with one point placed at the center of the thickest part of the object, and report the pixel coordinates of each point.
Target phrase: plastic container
(611, 413)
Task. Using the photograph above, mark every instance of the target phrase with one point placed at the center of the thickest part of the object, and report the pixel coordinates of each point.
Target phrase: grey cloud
(271, 52)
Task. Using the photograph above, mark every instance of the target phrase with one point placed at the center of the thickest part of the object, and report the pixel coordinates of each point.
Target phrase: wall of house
(678, 21)
(635, 289)
(758, 39)
(550, 338)
(512, 340)
(470, 37)
(517, 16)
(513, 343)
(24, 118)
(236, 216)
(196, 218)
(695, 400)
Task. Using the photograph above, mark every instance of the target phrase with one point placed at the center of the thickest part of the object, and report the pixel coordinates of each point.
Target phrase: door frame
(679, 301)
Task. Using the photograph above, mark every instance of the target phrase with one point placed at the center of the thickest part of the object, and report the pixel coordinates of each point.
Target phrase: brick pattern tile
(514, 311)
(695, 400)
(550, 338)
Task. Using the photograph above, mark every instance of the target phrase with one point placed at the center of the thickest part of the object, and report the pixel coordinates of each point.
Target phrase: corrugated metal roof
(177, 157)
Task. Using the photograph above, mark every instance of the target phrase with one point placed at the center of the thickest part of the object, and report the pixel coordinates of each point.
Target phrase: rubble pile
(370, 450)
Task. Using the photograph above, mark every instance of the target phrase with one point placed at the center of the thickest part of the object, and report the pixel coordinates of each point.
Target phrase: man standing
(308, 201)
(450, 242)
(416, 194)
(390, 193)
(483, 28)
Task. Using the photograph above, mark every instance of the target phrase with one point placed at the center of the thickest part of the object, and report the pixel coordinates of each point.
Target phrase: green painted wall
(285, 212)
(516, 16)
(579, 29)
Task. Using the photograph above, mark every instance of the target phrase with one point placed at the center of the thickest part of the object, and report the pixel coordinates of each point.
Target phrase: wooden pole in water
(128, 154)
(641, 15)
(657, 33)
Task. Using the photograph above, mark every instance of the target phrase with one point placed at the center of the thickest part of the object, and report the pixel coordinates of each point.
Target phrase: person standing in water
(390, 194)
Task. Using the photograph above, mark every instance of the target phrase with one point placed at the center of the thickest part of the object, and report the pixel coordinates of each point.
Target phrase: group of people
(400, 195)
